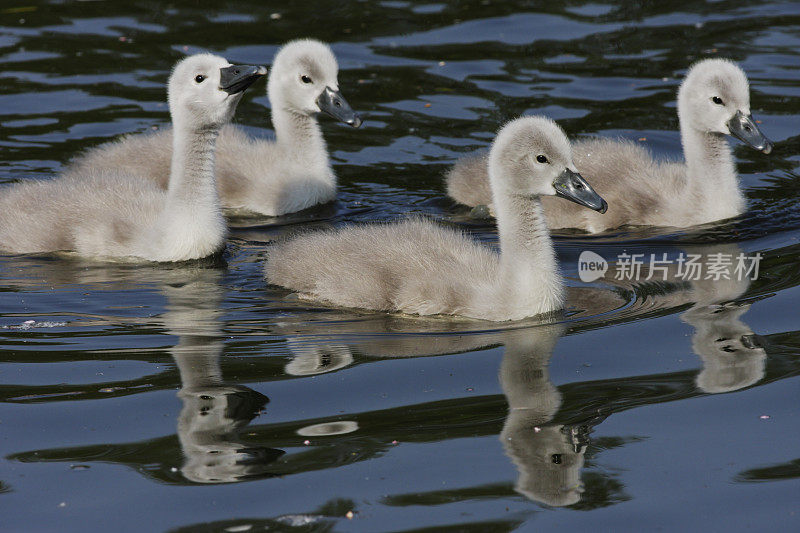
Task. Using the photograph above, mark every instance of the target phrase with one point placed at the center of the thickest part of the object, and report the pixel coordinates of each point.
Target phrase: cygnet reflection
(213, 412)
(549, 457)
(733, 356)
(310, 358)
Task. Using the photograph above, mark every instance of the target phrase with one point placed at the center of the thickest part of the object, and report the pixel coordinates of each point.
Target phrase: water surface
(194, 397)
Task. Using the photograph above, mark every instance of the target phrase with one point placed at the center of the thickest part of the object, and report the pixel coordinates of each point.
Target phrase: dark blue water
(186, 398)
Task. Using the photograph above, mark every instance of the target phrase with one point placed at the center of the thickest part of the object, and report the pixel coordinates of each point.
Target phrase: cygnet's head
(204, 89)
(304, 80)
(715, 98)
(733, 356)
(549, 463)
(531, 157)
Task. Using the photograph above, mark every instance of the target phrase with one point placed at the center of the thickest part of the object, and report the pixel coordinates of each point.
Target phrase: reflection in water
(549, 455)
(213, 412)
(435, 79)
(549, 464)
(733, 356)
(545, 432)
(548, 427)
(329, 428)
(310, 358)
(208, 426)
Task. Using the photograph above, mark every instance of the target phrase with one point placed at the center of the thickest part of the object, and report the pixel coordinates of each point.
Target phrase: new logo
(591, 266)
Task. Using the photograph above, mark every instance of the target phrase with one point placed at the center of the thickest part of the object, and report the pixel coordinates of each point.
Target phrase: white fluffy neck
(300, 137)
(711, 174)
(192, 178)
(529, 276)
(191, 225)
(192, 189)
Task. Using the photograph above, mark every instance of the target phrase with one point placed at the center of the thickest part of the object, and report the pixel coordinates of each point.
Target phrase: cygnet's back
(140, 156)
(603, 159)
(413, 265)
(97, 214)
(648, 194)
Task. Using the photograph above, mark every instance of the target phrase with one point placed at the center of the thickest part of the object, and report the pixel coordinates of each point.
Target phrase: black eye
(717, 100)
(305, 79)
(541, 159)
(199, 78)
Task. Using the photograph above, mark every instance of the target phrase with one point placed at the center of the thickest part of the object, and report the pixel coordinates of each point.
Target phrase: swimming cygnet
(419, 267)
(713, 101)
(110, 214)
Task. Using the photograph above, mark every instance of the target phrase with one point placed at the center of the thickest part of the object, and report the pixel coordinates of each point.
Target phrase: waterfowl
(267, 177)
(418, 267)
(108, 214)
(713, 101)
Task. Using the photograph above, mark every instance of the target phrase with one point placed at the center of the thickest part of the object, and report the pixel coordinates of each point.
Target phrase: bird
(108, 214)
(713, 101)
(418, 267)
(258, 176)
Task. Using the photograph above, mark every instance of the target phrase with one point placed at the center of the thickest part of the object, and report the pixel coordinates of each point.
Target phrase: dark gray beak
(744, 128)
(572, 186)
(236, 78)
(751, 342)
(333, 103)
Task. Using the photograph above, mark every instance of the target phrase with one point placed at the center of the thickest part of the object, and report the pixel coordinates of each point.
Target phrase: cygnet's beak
(751, 342)
(236, 78)
(572, 186)
(744, 128)
(333, 103)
